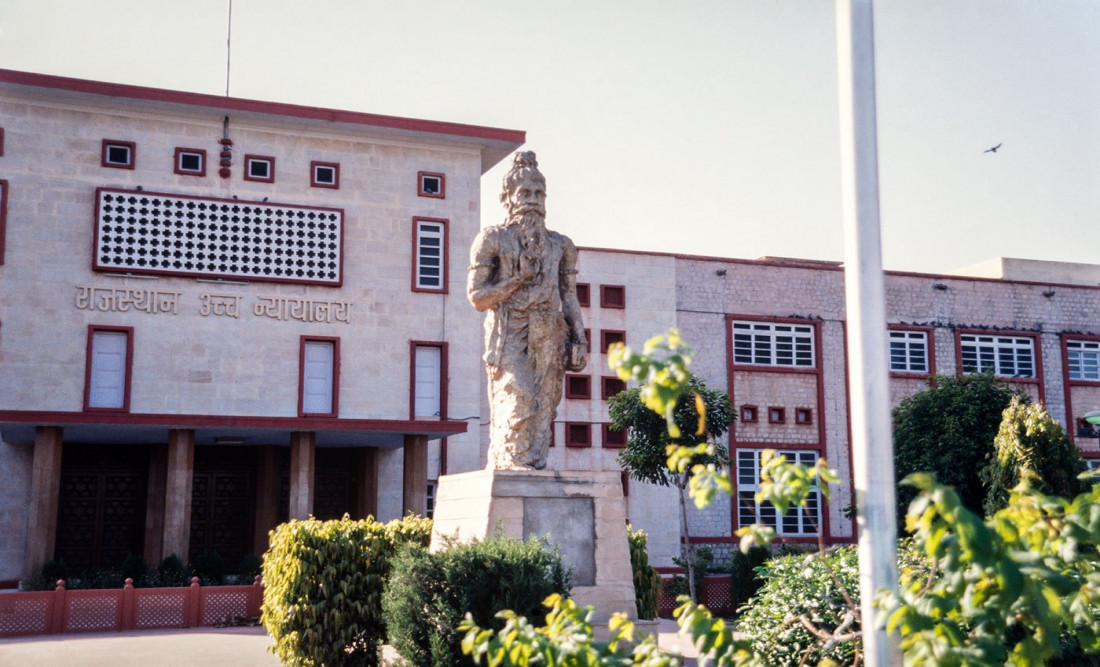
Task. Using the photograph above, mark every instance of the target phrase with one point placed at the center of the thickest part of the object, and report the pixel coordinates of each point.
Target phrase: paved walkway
(191, 647)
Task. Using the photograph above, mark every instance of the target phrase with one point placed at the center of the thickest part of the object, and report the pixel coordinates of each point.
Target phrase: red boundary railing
(129, 608)
(715, 596)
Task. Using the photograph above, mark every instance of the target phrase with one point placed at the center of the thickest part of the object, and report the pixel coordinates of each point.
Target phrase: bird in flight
(992, 150)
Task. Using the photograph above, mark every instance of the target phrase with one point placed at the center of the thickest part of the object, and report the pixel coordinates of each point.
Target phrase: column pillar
(415, 492)
(267, 496)
(177, 493)
(303, 450)
(366, 464)
(45, 488)
(154, 506)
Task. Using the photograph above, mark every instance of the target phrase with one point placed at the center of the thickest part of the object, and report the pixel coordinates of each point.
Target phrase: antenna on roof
(228, 45)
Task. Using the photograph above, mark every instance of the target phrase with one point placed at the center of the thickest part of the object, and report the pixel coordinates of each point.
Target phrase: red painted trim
(611, 386)
(445, 259)
(222, 104)
(588, 341)
(126, 389)
(853, 523)
(335, 412)
(612, 439)
(314, 183)
(777, 414)
(584, 294)
(613, 296)
(610, 336)
(1, 153)
(3, 217)
(185, 172)
(930, 346)
(311, 423)
(1037, 348)
(107, 143)
(578, 434)
(421, 192)
(444, 374)
(1070, 420)
(578, 386)
(248, 159)
(804, 416)
(227, 276)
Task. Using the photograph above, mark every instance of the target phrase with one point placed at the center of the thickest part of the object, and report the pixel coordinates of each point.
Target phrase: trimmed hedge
(323, 584)
(428, 594)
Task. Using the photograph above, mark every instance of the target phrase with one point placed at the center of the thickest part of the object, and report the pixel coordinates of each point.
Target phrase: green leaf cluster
(948, 431)
(1031, 444)
(661, 370)
(323, 584)
(647, 581)
(429, 594)
(1017, 588)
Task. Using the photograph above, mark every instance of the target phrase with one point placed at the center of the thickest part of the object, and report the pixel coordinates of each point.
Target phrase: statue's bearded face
(528, 196)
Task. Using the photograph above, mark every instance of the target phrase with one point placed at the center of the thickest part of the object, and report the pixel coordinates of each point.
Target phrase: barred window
(798, 521)
(1006, 356)
(431, 255)
(1084, 359)
(909, 351)
(766, 344)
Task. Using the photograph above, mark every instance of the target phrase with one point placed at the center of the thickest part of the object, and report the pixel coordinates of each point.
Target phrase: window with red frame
(324, 175)
(259, 168)
(190, 161)
(612, 296)
(578, 435)
(584, 294)
(611, 386)
(609, 338)
(750, 414)
(118, 154)
(777, 415)
(804, 416)
(431, 184)
(613, 438)
(578, 386)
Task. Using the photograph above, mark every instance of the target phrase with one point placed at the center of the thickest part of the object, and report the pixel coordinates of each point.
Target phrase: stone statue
(524, 275)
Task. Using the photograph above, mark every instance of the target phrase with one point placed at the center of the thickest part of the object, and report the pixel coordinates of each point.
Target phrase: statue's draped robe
(526, 342)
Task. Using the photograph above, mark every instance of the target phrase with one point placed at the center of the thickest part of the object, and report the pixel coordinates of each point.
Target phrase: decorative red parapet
(128, 608)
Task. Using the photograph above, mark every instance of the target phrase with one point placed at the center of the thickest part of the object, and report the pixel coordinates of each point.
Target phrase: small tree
(645, 456)
(948, 430)
(1030, 443)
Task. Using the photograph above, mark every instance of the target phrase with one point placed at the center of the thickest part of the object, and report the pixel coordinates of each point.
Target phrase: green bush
(249, 566)
(429, 594)
(323, 584)
(744, 581)
(647, 581)
(803, 586)
(209, 568)
(170, 572)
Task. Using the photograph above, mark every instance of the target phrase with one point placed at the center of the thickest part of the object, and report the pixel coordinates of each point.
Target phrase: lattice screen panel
(223, 606)
(25, 615)
(146, 232)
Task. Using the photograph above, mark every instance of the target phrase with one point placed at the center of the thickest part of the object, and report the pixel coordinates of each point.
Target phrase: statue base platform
(582, 512)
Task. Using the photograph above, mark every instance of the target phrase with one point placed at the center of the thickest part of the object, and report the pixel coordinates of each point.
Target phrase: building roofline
(492, 137)
(825, 265)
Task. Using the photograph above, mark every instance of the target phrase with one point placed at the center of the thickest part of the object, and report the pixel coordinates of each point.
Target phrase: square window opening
(804, 416)
(325, 175)
(578, 435)
(578, 386)
(750, 414)
(431, 185)
(613, 438)
(584, 294)
(259, 168)
(777, 415)
(609, 338)
(118, 154)
(612, 296)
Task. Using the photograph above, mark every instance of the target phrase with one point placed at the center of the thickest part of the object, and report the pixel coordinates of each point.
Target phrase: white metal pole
(872, 444)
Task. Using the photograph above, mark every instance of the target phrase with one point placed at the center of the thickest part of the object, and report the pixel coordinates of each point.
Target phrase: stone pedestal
(582, 512)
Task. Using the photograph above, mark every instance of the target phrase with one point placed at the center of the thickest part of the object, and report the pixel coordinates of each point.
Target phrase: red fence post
(57, 617)
(191, 611)
(255, 597)
(128, 606)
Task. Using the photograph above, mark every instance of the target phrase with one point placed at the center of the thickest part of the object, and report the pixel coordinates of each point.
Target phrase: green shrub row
(209, 567)
(323, 583)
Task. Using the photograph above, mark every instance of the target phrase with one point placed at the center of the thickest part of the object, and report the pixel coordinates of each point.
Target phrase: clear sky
(702, 127)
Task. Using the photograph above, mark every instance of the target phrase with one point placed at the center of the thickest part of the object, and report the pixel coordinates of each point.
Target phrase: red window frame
(93, 329)
(178, 169)
(584, 294)
(804, 416)
(777, 414)
(443, 258)
(578, 434)
(578, 386)
(108, 144)
(750, 414)
(611, 386)
(612, 439)
(335, 375)
(610, 336)
(613, 296)
(314, 183)
(248, 159)
(421, 191)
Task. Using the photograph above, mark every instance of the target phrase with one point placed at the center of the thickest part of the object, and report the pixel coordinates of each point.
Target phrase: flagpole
(872, 444)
